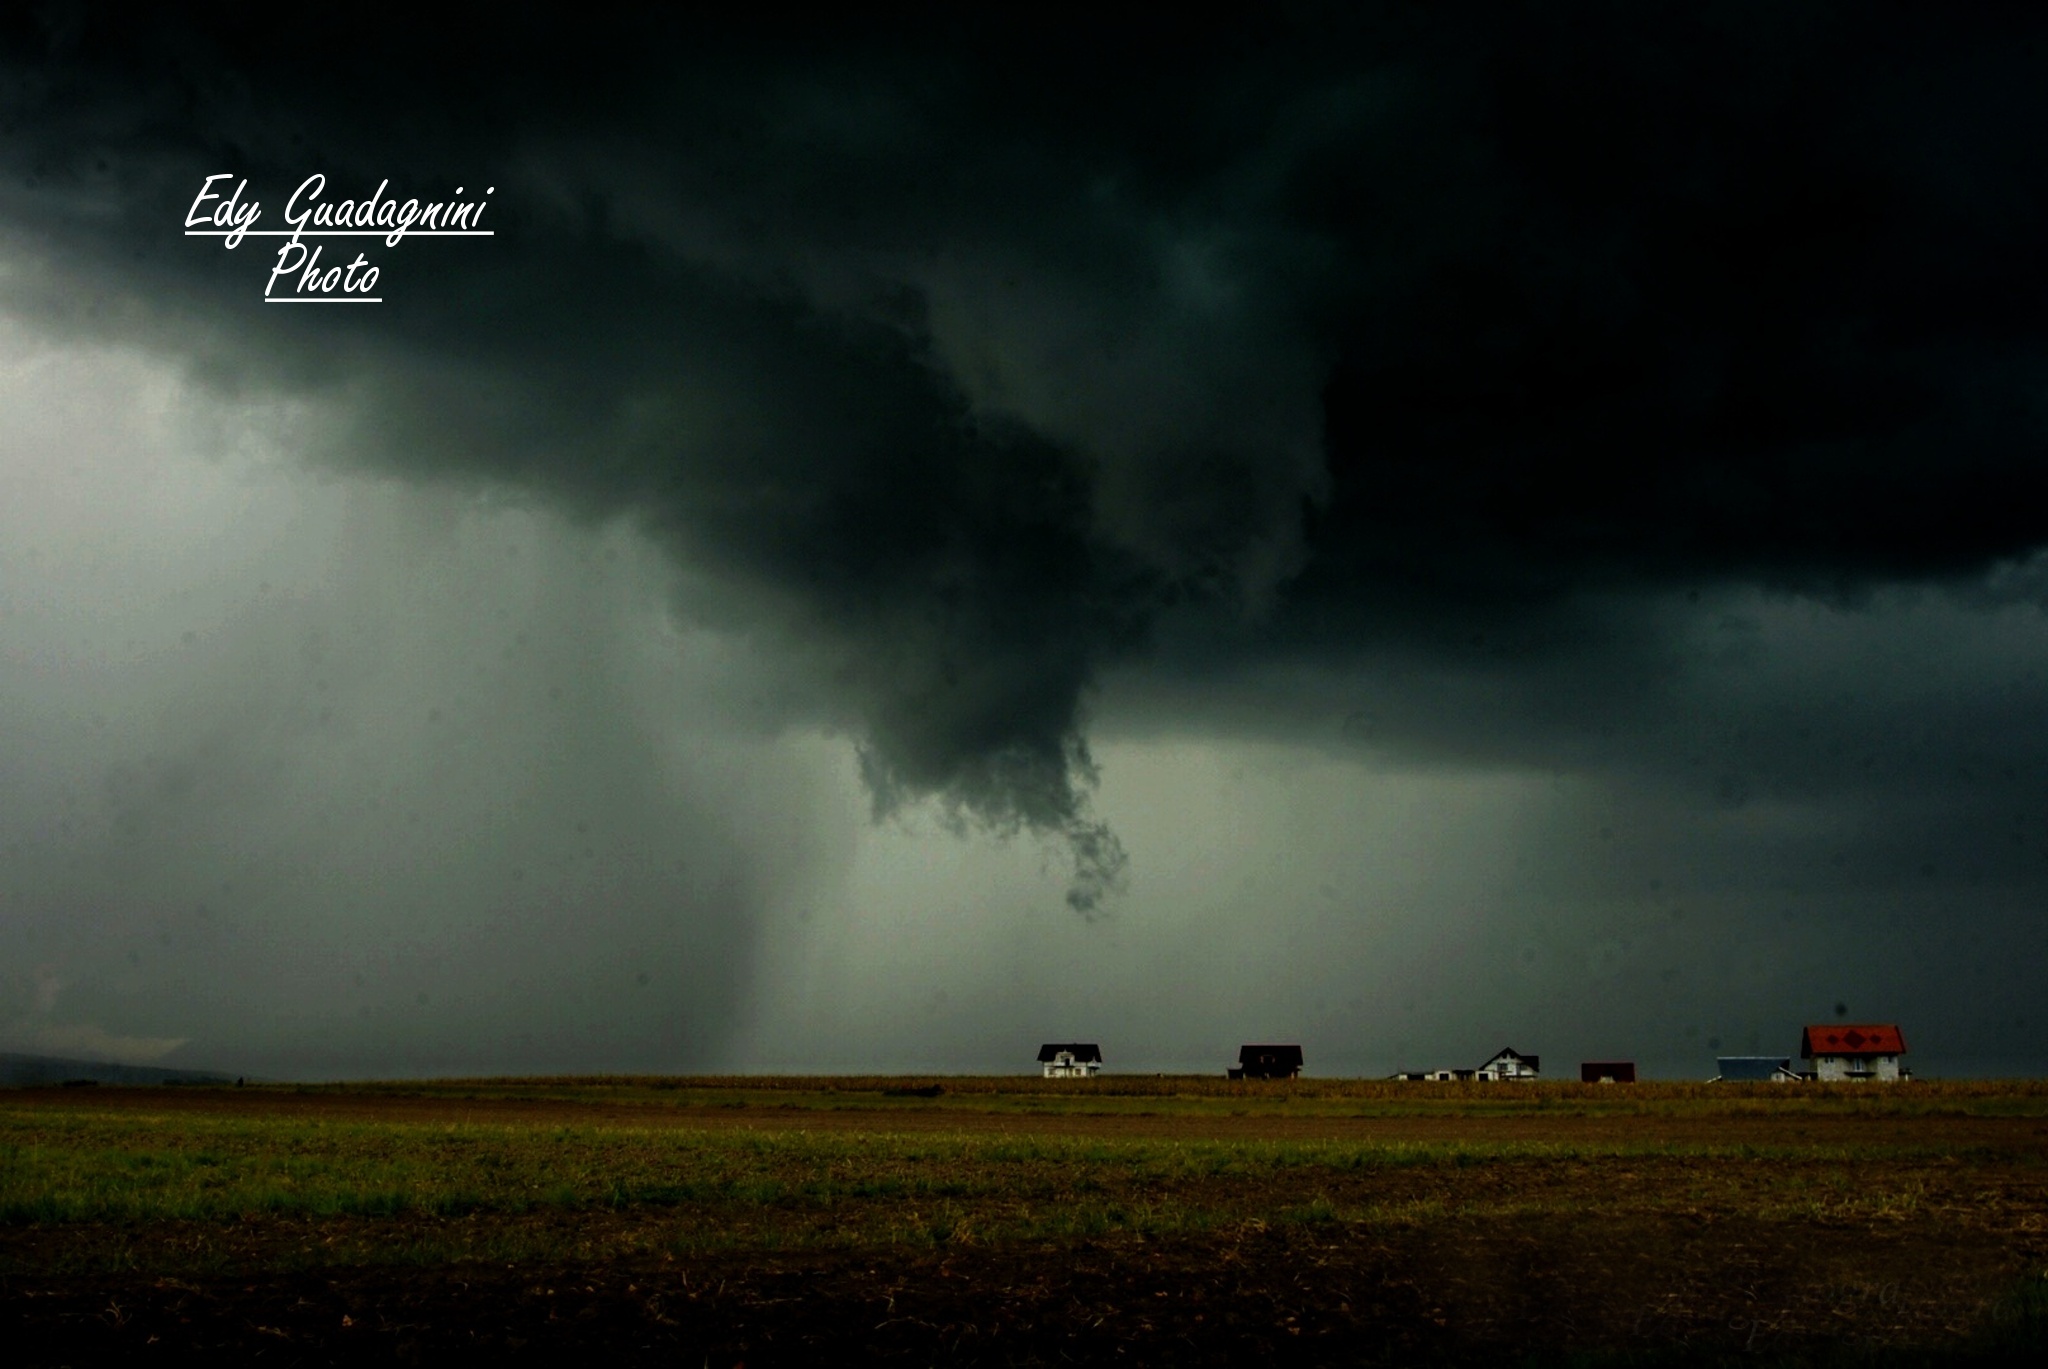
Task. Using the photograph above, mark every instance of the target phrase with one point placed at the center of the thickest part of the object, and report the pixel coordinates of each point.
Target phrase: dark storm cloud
(972, 360)
(1756, 305)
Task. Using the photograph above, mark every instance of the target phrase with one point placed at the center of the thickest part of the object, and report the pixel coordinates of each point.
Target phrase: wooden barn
(1268, 1062)
(1070, 1059)
(1855, 1053)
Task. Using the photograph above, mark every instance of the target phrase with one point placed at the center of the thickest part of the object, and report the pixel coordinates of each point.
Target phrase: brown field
(776, 1221)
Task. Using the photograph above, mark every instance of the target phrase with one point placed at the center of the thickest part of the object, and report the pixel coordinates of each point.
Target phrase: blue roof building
(1756, 1069)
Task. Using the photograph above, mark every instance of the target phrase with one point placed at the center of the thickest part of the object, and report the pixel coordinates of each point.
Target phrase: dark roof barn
(1268, 1062)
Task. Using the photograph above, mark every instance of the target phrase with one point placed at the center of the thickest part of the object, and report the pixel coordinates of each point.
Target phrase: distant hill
(26, 1071)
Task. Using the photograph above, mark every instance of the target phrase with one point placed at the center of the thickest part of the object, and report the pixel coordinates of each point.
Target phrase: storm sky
(1409, 531)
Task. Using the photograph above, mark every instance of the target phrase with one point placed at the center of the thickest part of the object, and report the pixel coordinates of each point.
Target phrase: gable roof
(1510, 1053)
(1279, 1055)
(1082, 1051)
(1884, 1039)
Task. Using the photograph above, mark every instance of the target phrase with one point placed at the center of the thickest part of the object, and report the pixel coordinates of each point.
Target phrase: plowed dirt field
(725, 1224)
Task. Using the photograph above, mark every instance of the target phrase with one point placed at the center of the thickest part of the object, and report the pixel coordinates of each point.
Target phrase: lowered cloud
(87, 1042)
(34, 1000)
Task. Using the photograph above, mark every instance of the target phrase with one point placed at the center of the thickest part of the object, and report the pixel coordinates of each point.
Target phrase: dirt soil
(1471, 1293)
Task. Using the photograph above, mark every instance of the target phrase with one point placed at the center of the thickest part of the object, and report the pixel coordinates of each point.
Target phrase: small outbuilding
(1268, 1062)
(1855, 1053)
(1607, 1072)
(1509, 1063)
(1071, 1059)
(1754, 1069)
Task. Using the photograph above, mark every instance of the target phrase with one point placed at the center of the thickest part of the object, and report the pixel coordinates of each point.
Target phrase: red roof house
(1859, 1052)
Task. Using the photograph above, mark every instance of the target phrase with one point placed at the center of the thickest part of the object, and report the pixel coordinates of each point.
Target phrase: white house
(1509, 1063)
(1855, 1053)
(1071, 1060)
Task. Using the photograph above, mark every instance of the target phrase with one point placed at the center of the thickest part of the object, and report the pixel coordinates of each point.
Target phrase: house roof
(1510, 1053)
(1083, 1051)
(1279, 1055)
(1884, 1039)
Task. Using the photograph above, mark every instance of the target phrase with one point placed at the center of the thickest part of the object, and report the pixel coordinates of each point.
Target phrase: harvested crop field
(1019, 1222)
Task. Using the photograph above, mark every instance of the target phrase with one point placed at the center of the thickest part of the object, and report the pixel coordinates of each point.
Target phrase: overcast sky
(1410, 534)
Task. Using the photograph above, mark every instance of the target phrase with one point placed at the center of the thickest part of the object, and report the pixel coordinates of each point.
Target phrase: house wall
(1065, 1066)
(1829, 1068)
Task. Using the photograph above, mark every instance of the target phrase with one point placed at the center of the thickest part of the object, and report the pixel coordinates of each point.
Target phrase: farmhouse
(1754, 1069)
(1509, 1063)
(1607, 1072)
(1858, 1053)
(1071, 1059)
(1268, 1062)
